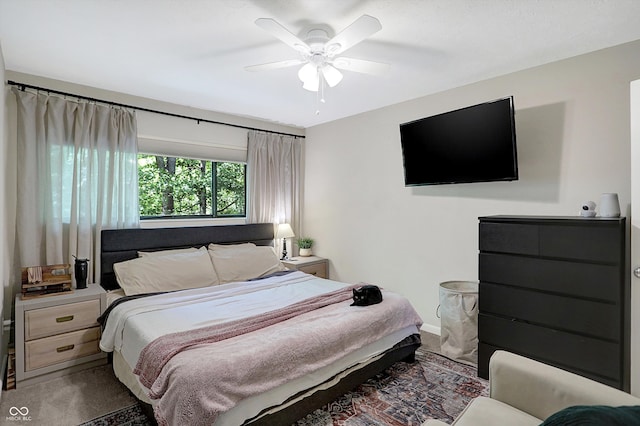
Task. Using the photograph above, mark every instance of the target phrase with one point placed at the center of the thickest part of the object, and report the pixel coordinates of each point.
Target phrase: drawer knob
(65, 319)
(64, 348)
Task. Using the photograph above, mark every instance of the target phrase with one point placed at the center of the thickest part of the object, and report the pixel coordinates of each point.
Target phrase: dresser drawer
(568, 278)
(63, 347)
(60, 319)
(588, 243)
(511, 238)
(317, 269)
(599, 242)
(584, 316)
(559, 348)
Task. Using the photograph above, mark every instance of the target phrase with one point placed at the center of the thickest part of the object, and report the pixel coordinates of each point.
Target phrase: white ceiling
(193, 52)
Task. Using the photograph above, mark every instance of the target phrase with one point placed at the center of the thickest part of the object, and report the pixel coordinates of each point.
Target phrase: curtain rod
(24, 86)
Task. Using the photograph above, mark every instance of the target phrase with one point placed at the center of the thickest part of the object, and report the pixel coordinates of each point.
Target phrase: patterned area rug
(403, 395)
(406, 395)
(128, 416)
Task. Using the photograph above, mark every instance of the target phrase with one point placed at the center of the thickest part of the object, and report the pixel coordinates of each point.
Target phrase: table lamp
(284, 231)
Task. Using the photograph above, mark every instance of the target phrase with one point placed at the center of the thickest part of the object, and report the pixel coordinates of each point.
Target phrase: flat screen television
(472, 144)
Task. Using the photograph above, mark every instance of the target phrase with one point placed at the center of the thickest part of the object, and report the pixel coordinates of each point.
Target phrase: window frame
(213, 200)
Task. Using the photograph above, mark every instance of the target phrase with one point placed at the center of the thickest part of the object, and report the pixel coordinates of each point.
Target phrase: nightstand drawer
(317, 269)
(63, 347)
(60, 319)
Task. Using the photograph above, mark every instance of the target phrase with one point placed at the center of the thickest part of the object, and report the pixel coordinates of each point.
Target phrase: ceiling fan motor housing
(317, 42)
(316, 39)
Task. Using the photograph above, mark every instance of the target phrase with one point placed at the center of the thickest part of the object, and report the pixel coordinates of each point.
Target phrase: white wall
(572, 122)
(635, 233)
(5, 248)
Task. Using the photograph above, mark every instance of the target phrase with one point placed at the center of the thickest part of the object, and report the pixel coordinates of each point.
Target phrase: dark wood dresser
(556, 289)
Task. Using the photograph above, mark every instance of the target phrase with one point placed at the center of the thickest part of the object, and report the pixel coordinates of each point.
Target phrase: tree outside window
(175, 187)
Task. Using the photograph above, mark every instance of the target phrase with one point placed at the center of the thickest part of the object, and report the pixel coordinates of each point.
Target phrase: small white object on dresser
(313, 265)
(58, 335)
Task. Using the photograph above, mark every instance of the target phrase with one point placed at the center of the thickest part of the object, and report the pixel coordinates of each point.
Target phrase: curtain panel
(77, 175)
(275, 180)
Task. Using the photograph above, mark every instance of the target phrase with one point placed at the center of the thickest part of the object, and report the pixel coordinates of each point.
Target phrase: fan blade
(360, 65)
(274, 65)
(283, 34)
(360, 29)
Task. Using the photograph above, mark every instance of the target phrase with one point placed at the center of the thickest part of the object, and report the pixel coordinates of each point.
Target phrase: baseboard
(428, 328)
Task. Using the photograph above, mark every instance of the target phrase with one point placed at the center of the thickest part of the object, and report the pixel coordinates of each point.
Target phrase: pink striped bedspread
(197, 375)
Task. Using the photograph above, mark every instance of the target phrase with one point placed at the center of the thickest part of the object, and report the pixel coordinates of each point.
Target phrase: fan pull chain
(320, 93)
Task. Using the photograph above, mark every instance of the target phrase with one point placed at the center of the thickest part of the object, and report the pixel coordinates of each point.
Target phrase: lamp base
(285, 256)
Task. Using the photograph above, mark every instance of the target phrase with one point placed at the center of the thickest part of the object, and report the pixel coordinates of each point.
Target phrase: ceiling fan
(320, 54)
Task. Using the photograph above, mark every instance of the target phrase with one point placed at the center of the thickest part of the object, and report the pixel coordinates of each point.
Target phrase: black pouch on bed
(366, 295)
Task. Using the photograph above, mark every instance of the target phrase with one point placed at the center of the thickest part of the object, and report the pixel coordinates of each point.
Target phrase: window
(174, 187)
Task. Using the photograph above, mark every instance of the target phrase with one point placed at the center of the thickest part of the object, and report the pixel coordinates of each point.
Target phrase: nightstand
(58, 335)
(313, 265)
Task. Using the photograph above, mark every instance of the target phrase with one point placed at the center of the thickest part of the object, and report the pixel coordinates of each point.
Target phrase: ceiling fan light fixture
(310, 77)
(331, 75)
(308, 72)
(321, 53)
(311, 85)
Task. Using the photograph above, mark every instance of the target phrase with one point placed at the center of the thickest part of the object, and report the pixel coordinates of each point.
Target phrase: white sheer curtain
(275, 180)
(77, 175)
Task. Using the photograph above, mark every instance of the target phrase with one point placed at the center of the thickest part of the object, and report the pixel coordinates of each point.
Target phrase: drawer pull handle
(65, 319)
(65, 348)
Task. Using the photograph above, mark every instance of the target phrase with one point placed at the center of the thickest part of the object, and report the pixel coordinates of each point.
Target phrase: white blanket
(143, 320)
(134, 324)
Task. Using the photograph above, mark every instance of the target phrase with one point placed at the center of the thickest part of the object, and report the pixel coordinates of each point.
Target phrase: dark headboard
(123, 244)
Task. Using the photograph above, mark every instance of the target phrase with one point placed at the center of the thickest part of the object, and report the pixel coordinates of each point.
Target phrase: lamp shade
(284, 231)
(308, 74)
(331, 75)
(312, 85)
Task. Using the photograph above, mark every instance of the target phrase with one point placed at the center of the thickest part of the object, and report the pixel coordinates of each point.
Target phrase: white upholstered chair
(526, 392)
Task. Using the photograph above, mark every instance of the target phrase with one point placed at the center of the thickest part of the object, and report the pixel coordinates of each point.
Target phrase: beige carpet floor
(82, 396)
(68, 400)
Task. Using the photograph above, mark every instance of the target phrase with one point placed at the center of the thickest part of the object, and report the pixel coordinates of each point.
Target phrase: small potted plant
(305, 244)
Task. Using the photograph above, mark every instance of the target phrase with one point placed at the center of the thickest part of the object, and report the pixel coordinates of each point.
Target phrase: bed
(252, 350)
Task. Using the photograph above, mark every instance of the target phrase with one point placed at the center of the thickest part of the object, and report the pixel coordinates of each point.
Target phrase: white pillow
(213, 246)
(241, 262)
(166, 252)
(170, 272)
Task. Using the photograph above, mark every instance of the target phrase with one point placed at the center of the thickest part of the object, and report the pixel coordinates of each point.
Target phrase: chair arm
(541, 390)
(434, 422)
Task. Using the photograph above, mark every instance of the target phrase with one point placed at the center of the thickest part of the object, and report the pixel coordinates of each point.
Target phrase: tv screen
(472, 144)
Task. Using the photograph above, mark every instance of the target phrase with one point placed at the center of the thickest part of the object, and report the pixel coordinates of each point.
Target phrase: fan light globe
(312, 85)
(331, 75)
(308, 74)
